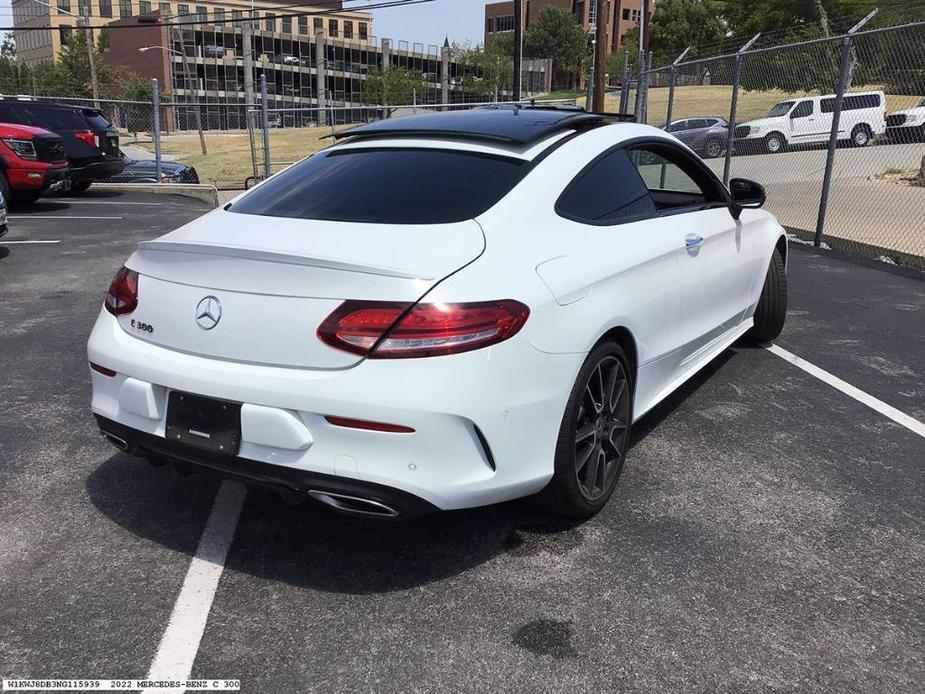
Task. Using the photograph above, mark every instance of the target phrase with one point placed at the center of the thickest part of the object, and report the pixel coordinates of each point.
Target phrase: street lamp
(81, 19)
(163, 48)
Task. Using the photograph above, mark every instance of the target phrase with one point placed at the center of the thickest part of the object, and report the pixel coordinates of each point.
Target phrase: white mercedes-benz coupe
(438, 312)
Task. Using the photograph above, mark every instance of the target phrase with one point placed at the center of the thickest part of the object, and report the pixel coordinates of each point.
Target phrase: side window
(674, 181)
(803, 109)
(608, 191)
(677, 126)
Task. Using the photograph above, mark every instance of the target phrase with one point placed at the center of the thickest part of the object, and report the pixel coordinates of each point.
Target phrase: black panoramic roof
(518, 126)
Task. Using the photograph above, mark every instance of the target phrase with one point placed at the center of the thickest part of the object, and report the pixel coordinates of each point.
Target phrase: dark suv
(90, 143)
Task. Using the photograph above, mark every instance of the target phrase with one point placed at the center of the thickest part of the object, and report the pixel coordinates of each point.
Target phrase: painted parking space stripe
(873, 403)
(11, 243)
(57, 216)
(77, 201)
(180, 642)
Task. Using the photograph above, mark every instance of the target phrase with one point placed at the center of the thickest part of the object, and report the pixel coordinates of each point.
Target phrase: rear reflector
(123, 292)
(369, 426)
(392, 330)
(102, 369)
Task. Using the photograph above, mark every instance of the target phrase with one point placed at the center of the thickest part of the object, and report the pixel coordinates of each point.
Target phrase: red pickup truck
(32, 163)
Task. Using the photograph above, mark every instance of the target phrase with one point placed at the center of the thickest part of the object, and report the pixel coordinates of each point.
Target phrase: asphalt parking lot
(768, 534)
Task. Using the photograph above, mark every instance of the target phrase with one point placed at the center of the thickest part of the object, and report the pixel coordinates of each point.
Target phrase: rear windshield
(96, 120)
(55, 118)
(387, 186)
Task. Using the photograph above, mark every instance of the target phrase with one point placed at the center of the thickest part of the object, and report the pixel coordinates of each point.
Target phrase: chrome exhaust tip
(354, 505)
(116, 441)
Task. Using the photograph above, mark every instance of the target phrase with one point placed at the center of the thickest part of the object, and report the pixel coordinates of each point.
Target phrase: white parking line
(180, 642)
(897, 416)
(57, 216)
(77, 201)
(10, 243)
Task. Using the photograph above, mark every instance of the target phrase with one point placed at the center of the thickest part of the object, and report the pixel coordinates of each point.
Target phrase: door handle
(693, 241)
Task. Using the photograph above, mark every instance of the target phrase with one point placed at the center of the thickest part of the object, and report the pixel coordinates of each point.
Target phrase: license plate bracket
(208, 424)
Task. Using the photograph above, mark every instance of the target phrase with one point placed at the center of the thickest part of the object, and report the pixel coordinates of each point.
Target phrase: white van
(809, 120)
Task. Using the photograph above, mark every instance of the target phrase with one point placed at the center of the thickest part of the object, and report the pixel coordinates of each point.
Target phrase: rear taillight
(123, 292)
(393, 330)
(87, 137)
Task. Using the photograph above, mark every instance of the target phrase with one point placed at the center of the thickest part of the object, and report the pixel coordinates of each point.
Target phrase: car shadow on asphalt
(307, 545)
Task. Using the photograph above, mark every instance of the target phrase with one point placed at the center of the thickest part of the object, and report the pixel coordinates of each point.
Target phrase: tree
(8, 48)
(488, 68)
(681, 23)
(393, 86)
(555, 34)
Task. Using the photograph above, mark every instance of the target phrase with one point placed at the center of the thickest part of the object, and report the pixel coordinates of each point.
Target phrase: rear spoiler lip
(276, 257)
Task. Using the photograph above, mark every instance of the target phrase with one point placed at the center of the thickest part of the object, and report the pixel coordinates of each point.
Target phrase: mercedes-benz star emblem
(208, 312)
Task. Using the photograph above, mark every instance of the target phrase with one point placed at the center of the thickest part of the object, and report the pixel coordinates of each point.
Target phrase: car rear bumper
(485, 422)
(380, 500)
(97, 170)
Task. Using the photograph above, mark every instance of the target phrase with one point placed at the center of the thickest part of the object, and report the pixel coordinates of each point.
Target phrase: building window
(626, 14)
(255, 22)
(65, 33)
(303, 24)
(332, 27)
(592, 12)
(364, 31)
(144, 6)
(84, 9)
(125, 8)
(202, 14)
(635, 15)
(237, 16)
(271, 21)
(504, 23)
(105, 8)
(218, 14)
(348, 29)
(162, 7)
(318, 24)
(64, 6)
(182, 10)
(286, 24)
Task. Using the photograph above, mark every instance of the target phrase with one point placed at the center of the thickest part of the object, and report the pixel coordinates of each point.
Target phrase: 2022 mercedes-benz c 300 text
(438, 312)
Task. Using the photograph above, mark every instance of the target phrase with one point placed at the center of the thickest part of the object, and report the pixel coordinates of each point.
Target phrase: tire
(595, 429)
(713, 149)
(80, 187)
(775, 143)
(861, 136)
(26, 198)
(5, 190)
(771, 312)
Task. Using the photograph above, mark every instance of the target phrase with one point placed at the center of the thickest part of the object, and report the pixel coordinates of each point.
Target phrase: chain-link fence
(833, 128)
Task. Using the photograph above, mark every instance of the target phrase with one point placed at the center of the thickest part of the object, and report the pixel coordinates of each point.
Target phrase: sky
(430, 22)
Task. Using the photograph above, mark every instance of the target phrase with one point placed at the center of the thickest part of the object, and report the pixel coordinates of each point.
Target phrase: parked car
(145, 171)
(290, 60)
(212, 51)
(707, 135)
(90, 143)
(477, 315)
(3, 223)
(907, 125)
(806, 121)
(32, 163)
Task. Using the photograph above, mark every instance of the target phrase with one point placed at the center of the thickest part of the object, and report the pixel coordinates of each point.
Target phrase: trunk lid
(273, 280)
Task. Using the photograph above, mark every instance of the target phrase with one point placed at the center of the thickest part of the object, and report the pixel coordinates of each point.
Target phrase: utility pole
(518, 47)
(600, 53)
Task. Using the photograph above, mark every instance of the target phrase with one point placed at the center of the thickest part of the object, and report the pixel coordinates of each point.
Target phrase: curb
(205, 193)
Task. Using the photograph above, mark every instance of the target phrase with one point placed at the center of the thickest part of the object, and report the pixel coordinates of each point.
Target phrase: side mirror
(746, 195)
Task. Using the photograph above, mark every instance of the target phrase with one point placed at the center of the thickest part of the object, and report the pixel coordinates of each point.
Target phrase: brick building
(624, 15)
